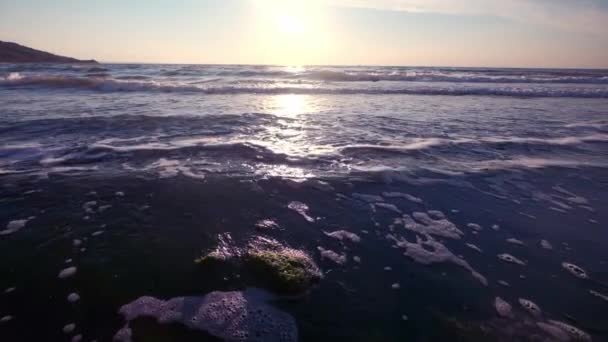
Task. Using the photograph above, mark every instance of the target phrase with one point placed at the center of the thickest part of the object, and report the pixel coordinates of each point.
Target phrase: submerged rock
(232, 316)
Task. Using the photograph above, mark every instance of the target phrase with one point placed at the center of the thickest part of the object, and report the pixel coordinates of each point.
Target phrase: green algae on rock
(284, 270)
(276, 267)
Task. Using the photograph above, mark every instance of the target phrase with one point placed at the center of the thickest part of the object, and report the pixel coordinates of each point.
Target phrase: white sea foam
(515, 241)
(339, 259)
(15, 226)
(402, 195)
(343, 235)
(422, 223)
(231, 316)
(503, 308)
(575, 270)
(530, 306)
(67, 272)
(302, 209)
(430, 251)
(511, 259)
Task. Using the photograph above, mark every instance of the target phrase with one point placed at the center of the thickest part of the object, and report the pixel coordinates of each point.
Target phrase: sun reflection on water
(290, 105)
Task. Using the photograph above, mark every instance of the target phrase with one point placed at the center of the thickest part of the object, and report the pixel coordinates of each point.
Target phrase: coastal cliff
(15, 53)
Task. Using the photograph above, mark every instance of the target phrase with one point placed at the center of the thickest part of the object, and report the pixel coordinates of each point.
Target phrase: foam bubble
(15, 225)
(77, 338)
(530, 306)
(6, 319)
(9, 290)
(69, 328)
(367, 197)
(555, 332)
(73, 297)
(504, 283)
(503, 308)
(472, 246)
(511, 259)
(77, 242)
(599, 295)
(231, 316)
(495, 227)
(515, 241)
(356, 259)
(343, 235)
(402, 195)
(387, 206)
(575, 270)
(574, 332)
(68, 272)
(103, 208)
(125, 334)
(395, 286)
(119, 193)
(301, 209)
(88, 206)
(339, 259)
(474, 226)
(546, 244)
(266, 224)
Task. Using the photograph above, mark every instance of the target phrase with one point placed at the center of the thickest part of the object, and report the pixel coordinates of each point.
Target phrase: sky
(483, 33)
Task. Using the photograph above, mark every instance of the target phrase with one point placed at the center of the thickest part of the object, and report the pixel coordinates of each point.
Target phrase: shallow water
(133, 171)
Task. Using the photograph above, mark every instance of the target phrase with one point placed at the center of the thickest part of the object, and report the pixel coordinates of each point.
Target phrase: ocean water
(461, 185)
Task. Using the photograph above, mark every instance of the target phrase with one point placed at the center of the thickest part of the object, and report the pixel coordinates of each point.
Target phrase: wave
(427, 143)
(16, 80)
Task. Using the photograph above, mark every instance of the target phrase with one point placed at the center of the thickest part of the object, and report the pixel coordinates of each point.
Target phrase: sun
(290, 24)
(291, 32)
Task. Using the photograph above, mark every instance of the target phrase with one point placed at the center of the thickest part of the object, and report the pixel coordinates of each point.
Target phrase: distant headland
(15, 53)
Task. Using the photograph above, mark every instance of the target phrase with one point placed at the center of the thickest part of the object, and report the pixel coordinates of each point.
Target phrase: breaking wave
(106, 84)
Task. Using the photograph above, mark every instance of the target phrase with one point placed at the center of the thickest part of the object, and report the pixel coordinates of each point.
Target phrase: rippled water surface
(460, 185)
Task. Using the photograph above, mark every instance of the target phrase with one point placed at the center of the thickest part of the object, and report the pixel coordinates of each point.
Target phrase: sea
(439, 204)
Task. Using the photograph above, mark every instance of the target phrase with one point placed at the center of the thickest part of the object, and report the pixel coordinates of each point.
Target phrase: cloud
(583, 16)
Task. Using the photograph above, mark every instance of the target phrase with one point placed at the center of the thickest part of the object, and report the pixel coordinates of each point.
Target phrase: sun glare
(289, 23)
(292, 32)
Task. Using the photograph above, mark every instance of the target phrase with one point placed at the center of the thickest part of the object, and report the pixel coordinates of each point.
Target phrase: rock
(286, 270)
(242, 316)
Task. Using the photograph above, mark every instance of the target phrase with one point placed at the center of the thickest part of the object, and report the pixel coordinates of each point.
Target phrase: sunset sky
(519, 33)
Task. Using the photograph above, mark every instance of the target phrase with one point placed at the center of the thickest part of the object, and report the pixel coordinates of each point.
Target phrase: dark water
(176, 157)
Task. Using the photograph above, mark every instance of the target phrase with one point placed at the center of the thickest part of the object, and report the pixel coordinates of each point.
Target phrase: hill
(15, 53)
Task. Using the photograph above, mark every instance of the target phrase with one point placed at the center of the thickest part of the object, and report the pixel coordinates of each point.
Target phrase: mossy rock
(284, 271)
